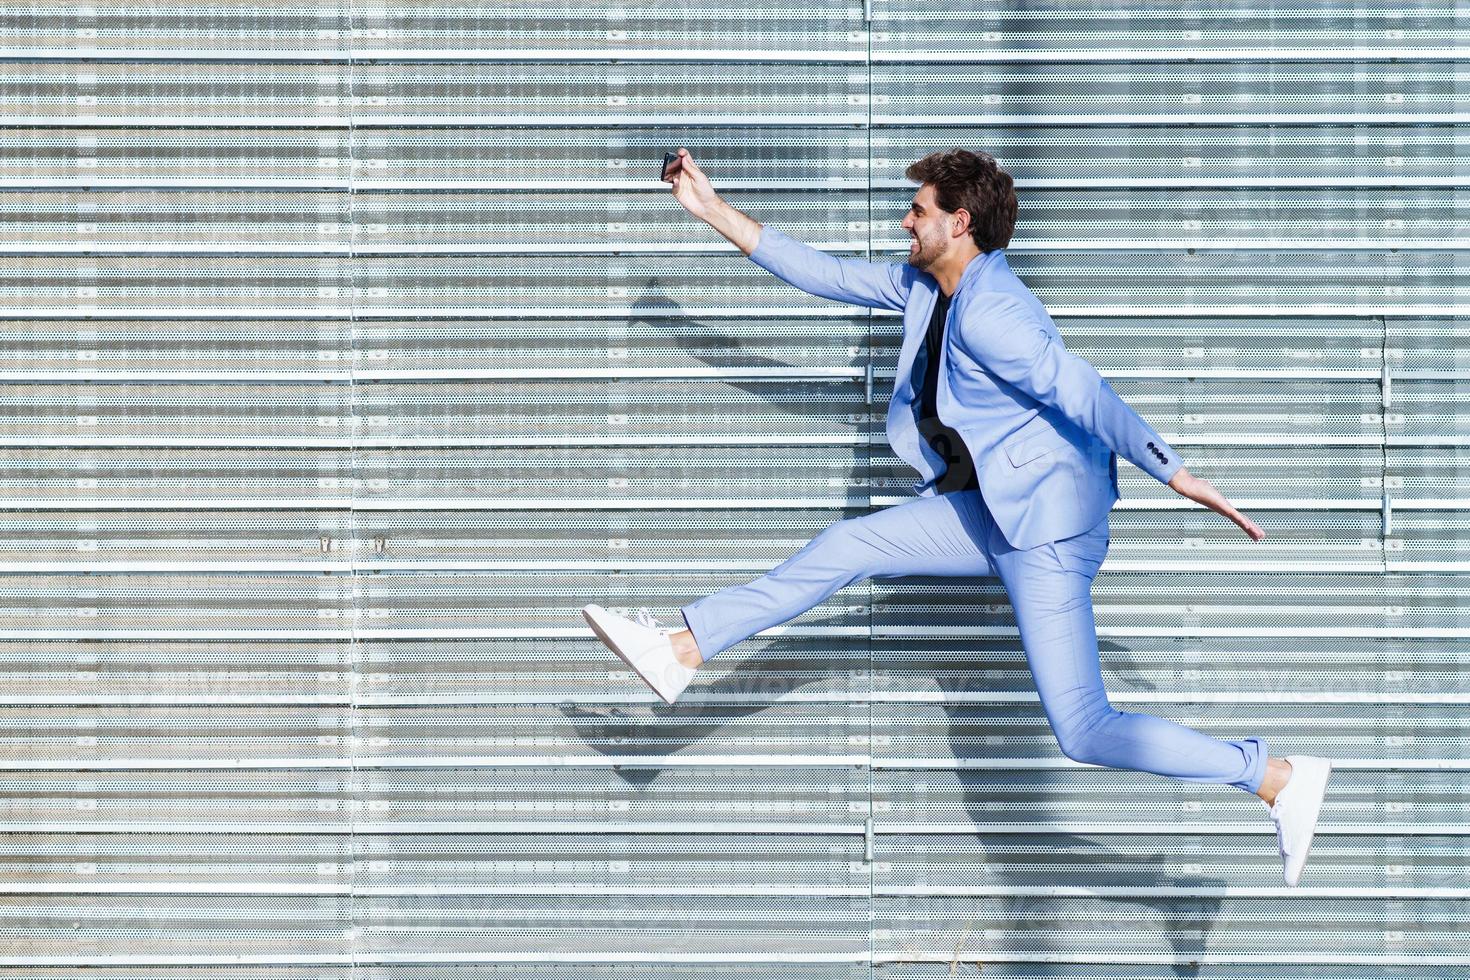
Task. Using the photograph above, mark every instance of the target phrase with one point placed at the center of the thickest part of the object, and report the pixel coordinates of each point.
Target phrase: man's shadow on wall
(616, 731)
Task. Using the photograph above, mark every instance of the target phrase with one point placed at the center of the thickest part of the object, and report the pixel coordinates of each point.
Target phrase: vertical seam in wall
(1385, 513)
(867, 470)
(353, 651)
(869, 851)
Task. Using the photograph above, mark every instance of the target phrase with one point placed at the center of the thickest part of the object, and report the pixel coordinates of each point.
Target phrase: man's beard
(918, 259)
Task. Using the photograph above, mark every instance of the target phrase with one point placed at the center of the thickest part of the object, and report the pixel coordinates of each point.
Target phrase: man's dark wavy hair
(975, 182)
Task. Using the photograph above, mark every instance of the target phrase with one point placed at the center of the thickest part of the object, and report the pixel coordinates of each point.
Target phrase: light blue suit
(1041, 424)
(1043, 428)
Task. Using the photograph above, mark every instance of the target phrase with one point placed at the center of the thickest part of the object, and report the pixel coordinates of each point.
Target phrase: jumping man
(1017, 441)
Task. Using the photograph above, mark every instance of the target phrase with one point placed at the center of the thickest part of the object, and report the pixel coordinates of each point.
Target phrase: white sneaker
(643, 645)
(1295, 811)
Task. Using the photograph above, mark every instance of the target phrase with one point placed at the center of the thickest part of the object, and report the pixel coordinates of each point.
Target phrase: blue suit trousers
(1050, 588)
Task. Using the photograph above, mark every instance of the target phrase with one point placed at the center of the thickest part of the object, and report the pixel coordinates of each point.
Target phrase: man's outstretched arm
(877, 284)
(1002, 335)
(693, 190)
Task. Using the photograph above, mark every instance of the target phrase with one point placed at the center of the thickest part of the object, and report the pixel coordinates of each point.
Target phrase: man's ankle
(686, 650)
(1278, 775)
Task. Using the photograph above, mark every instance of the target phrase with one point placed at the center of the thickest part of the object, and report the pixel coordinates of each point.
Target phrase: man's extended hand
(692, 188)
(1202, 491)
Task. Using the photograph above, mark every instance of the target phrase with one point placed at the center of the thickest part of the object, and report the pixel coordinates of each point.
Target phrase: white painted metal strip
(842, 698)
(354, 374)
(93, 562)
(640, 503)
(1100, 246)
(1367, 308)
(387, 891)
(595, 55)
(1138, 182)
(352, 827)
(358, 763)
(1169, 891)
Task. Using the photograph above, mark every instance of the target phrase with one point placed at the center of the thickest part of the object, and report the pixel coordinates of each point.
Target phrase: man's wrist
(739, 228)
(717, 214)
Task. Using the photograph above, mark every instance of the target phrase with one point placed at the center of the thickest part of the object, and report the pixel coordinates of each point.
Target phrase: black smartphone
(671, 163)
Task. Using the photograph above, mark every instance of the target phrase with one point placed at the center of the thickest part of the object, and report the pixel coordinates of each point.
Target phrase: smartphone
(671, 164)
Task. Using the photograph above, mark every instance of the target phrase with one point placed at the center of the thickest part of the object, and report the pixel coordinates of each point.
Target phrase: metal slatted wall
(349, 350)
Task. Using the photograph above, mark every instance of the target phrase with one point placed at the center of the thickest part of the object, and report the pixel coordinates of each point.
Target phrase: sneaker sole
(590, 616)
(1321, 793)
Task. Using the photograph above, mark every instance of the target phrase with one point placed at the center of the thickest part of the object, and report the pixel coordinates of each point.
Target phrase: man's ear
(962, 211)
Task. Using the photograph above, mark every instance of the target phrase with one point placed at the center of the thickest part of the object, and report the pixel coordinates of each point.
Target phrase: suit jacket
(1043, 428)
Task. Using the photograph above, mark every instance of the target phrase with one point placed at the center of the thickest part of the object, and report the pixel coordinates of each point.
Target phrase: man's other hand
(1202, 491)
(692, 188)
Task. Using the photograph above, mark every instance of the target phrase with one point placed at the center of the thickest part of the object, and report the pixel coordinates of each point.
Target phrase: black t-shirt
(944, 440)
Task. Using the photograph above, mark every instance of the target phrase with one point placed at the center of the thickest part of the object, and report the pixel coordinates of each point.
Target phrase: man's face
(930, 229)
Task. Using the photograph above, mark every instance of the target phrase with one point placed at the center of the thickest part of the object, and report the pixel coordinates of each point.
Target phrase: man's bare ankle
(686, 650)
(1278, 775)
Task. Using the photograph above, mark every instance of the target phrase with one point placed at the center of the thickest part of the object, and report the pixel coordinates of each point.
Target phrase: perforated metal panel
(351, 349)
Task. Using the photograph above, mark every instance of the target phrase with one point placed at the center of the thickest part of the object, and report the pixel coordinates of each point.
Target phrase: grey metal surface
(349, 350)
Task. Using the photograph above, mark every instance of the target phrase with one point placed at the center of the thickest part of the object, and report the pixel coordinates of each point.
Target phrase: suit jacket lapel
(913, 339)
